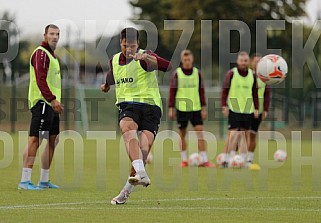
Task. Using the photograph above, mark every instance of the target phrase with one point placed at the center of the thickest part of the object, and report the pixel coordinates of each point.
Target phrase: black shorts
(239, 121)
(255, 123)
(184, 117)
(44, 121)
(146, 116)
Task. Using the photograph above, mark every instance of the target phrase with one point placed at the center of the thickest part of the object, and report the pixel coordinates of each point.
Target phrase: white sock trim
(250, 156)
(203, 155)
(26, 174)
(243, 155)
(138, 165)
(44, 175)
(128, 187)
(184, 155)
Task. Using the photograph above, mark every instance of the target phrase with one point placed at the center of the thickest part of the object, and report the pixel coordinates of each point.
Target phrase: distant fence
(87, 108)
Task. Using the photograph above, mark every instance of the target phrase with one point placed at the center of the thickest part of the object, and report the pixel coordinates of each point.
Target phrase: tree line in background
(157, 11)
(248, 11)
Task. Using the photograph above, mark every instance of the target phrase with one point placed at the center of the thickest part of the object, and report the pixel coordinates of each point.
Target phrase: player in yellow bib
(187, 99)
(44, 103)
(134, 72)
(239, 104)
(264, 104)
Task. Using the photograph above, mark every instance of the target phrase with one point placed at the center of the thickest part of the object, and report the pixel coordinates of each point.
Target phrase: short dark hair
(50, 26)
(243, 53)
(130, 34)
(186, 52)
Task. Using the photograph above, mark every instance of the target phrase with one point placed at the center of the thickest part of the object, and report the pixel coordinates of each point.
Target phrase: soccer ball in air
(280, 155)
(272, 69)
(194, 159)
(237, 162)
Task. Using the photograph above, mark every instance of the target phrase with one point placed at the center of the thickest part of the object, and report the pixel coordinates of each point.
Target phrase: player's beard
(53, 45)
(244, 68)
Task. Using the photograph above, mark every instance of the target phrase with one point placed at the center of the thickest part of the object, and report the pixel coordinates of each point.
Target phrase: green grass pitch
(91, 177)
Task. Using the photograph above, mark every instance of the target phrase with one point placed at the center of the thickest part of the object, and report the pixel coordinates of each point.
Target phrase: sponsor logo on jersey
(125, 80)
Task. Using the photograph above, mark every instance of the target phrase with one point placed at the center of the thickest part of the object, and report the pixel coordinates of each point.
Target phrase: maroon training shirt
(162, 65)
(227, 84)
(173, 87)
(40, 61)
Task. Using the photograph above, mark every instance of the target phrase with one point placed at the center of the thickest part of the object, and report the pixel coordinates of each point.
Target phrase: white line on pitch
(175, 208)
(48, 205)
(229, 198)
(154, 200)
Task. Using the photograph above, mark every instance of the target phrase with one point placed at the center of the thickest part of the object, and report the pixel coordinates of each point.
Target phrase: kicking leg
(146, 140)
(129, 130)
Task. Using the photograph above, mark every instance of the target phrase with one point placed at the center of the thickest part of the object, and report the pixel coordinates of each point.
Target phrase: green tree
(247, 11)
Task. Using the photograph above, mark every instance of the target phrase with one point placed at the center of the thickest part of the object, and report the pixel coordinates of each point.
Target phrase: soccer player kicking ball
(187, 96)
(240, 94)
(44, 103)
(134, 72)
(264, 104)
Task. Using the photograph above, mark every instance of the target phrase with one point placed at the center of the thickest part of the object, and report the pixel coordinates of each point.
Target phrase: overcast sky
(88, 18)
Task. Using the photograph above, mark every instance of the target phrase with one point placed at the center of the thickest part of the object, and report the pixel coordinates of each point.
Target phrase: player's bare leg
(146, 140)
(230, 145)
(252, 146)
(31, 151)
(29, 156)
(202, 146)
(48, 153)
(226, 143)
(225, 150)
(46, 160)
(243, 142)
(182, 134)
(129, 132)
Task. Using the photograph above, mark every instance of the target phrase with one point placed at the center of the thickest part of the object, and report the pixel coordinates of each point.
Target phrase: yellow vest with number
(53, 80)
(187, 95)
(240, 99)
(134, 84)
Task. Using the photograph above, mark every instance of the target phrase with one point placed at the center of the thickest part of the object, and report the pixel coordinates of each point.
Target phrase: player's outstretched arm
(150, 59)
